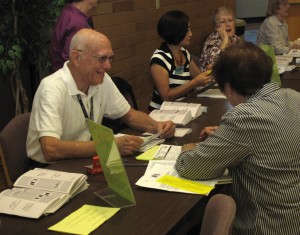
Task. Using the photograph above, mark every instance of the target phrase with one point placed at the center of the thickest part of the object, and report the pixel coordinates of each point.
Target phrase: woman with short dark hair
(173, 71)
(257, 141)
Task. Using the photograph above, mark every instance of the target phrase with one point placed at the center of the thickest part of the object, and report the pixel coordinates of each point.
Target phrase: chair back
(13, 147)
(126, 90)
(219, 215)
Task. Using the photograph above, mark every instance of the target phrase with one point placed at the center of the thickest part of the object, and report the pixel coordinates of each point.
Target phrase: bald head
(88, 40)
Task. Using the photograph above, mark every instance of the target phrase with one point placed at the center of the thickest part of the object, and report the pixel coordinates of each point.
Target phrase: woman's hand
(187, 147)
(202, 79)
(207, 131)
(224, 36)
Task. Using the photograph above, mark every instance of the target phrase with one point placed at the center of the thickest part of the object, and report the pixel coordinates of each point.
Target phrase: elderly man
(83, 89)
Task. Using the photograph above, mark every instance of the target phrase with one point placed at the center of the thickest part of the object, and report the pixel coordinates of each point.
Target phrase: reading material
(159, 168)
(195, 109)
(84, 220)
(212, 93)
(40, 192)
(179, 117)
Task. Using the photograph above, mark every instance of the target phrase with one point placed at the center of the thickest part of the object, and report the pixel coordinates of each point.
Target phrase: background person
(258, 141)
(83, 89)
(222, 37)
(74, 16)
(172, 69)
(274, 29)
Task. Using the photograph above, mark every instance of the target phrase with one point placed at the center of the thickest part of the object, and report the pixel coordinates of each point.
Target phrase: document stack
(40, 192)
(179, 112)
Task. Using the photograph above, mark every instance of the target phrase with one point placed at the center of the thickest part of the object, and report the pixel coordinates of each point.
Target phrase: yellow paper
(84, 220)
(185, 184)
(148, 155)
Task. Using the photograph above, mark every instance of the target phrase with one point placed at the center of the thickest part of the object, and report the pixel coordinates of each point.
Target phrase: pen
(135, 164)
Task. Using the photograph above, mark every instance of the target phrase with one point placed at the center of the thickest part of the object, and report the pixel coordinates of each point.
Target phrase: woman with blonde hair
(274, 29)
(222, 37)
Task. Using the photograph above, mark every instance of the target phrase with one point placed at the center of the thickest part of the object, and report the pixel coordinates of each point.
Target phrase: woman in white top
(274, 29)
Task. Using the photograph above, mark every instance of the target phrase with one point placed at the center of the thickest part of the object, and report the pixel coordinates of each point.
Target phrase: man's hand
(166, 128)
(207, 131)
(128, 144)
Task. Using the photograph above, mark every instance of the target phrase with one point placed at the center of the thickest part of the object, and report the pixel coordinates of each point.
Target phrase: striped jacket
(258, 141)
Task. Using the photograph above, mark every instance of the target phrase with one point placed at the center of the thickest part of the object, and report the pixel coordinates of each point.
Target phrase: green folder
(119, 193)
(269, 50)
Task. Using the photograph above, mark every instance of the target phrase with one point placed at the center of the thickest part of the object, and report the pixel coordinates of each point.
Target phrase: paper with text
(84, 220)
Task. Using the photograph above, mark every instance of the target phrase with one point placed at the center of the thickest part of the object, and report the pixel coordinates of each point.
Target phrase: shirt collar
(267, 89)
(71, 84)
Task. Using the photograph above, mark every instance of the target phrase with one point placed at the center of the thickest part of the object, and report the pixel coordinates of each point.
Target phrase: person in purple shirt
(74, 16)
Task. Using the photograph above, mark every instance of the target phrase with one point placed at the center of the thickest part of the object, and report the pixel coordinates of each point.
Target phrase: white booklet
(40, 192)
(195, 109)
(179, 117)
(212, 93)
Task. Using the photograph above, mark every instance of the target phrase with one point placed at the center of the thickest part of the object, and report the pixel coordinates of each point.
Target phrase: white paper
(212, 93)
(158, 168)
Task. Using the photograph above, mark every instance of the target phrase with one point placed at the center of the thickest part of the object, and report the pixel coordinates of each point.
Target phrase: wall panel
(131, 26)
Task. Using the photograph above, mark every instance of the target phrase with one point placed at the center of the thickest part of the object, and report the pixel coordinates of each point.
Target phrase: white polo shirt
(56, 111)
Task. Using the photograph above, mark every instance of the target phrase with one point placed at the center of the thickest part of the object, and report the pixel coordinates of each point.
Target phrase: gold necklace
(178, 61)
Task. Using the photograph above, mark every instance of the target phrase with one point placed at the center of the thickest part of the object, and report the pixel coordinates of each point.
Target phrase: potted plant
(25, 31)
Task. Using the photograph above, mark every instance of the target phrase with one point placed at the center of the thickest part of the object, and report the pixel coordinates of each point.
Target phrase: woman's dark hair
(244, 66)
(173, 26)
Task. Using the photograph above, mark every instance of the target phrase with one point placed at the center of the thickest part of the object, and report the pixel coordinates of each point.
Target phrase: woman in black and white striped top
(258, 141)
(171, 65)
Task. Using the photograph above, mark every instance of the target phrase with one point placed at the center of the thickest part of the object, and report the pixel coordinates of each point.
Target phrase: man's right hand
(128, 144)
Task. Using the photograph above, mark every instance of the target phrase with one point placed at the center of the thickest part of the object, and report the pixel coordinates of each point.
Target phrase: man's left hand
(166, 128)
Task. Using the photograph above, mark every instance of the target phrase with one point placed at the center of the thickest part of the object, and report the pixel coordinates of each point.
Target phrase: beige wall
(131, 26)
(293, 20)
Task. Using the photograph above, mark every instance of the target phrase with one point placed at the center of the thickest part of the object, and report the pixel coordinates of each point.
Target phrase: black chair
(126, 90)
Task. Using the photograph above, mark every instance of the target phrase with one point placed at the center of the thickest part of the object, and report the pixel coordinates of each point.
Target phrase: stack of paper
(179, 112)
(195, 109)
(212, 93)
(179, 117)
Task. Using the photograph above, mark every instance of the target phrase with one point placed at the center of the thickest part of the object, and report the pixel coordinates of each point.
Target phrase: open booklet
(162, 165)
(158, 169)
(40, 192)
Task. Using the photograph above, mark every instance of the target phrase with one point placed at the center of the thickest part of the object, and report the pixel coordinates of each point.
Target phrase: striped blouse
(258, 141)
(164, 58)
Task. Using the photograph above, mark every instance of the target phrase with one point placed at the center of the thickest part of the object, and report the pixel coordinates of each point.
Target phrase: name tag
(179, 69)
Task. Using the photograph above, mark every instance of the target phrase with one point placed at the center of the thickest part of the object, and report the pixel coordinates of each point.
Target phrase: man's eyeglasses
(101, 58)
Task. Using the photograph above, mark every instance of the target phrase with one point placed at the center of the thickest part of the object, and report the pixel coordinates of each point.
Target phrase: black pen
(135, 164)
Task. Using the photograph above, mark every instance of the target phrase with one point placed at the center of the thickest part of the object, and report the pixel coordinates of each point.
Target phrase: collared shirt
(56, 111)
(212, 49)
(163, 57)
(258, 141)
(275, 33)
(70, 21)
